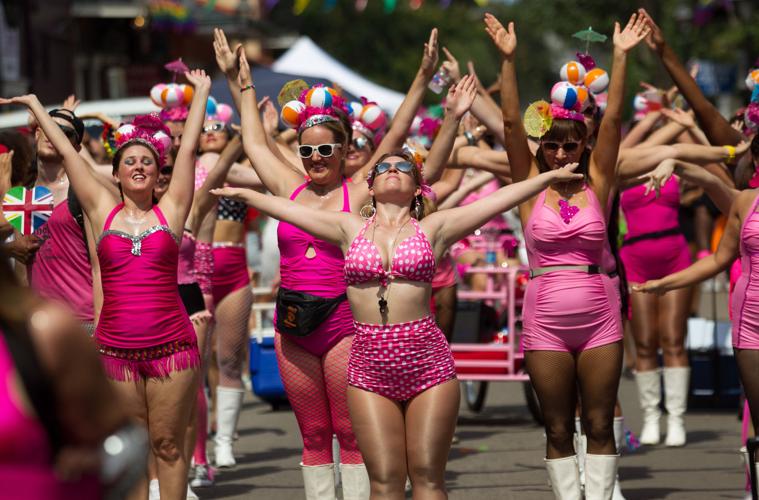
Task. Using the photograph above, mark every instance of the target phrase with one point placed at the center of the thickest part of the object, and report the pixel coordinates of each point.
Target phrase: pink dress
(144, 330)
(568, 310)
(745, 301)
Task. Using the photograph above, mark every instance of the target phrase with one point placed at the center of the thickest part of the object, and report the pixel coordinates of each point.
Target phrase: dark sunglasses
(216, 127)
(71, 134)
(167, 170)
(568, 147)
(325, 150)
(360, 142)
(402, 166)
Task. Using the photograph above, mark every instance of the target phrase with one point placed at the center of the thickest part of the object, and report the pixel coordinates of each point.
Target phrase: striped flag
(28, 209)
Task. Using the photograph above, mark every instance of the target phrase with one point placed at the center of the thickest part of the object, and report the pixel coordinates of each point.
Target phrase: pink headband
(147, 130)
(562, 113)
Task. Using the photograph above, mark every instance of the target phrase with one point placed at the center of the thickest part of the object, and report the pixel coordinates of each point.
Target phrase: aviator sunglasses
(360, 143)
(568, 147)
(402, 166)
(325, 150)
(214, 127)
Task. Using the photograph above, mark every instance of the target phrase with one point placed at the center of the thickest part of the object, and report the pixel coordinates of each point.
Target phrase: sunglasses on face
(166, 170)
(568, 147)
(360, 142)
(215, 127)
(402, 166)
(324, 150)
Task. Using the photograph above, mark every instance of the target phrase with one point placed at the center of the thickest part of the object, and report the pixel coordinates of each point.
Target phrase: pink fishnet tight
(202, 428)
(317, 390)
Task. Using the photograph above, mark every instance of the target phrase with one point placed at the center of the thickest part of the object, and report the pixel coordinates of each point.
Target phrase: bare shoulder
(744, 200)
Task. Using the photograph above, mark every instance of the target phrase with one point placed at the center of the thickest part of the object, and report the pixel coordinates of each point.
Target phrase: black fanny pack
(300, 313)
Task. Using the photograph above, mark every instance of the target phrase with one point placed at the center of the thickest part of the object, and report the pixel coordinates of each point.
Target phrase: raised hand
(226, 58)
(430, 56)
(461, 96)
(6, 168)
(269, 116)
(566, 173)
(742, 148)
(198, 79)
(71, 103)
(452, 66)
(659, 176)
(679, 116)
(636, 30)
(244, 78)
(237, 194)
(505, 39)
(653, 286)
(26, 100)
(655, 38)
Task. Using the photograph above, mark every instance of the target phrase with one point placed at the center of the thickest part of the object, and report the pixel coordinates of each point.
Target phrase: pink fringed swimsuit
(320, 275)
(745, 301)
(144, 330)
(568, 310)
(400, 360)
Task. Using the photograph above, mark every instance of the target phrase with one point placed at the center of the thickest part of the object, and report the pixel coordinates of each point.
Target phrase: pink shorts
(401, 360)
(570, 311)
(230, 271)
(654, 259)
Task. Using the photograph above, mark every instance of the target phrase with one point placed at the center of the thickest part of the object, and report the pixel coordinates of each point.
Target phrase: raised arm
(638, 133)
(603, 163)
(707, 267)
(458, 222)
(90, 193)
(716, 127)
(335, 227)
(180, 192)
(5, 184)
(204, 200)
(226, 59)
(278, 178)
(458, 102)
(515, 137)
(449, 182)
(464, 189)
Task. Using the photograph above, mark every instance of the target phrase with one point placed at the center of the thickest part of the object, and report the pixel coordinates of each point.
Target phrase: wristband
(730, 153)
(470, 138)
(247, 87)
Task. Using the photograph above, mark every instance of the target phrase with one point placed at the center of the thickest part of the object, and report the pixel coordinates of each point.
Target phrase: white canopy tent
(308, 59)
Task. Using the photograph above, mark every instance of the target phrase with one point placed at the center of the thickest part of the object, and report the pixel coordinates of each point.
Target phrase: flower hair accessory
(177, 114)
(314, 106)
(147, 130)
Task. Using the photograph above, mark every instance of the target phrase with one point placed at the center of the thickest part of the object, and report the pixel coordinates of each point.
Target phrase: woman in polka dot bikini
(403, 394)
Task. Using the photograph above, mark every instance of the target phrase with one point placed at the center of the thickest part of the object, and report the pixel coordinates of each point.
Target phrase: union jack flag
(28, 209)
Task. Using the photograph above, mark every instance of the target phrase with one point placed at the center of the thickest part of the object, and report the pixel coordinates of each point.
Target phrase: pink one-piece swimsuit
(144, 330)
(320, 275)
(745, 300)
(568, 310)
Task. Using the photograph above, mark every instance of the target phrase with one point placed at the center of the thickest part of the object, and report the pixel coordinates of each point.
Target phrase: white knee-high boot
(229, 402)
(649, 394)
(676, 381)
(355, 482)
(600, 474)
(620, 442)
(581, 446)
(565, 478)
(319, 481)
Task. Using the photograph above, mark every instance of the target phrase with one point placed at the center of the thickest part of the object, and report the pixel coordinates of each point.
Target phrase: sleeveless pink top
(649, 213)
(61, 268)
(321, 275)
(141, 304)
(186, 267)
(414, 259)
(745, 302)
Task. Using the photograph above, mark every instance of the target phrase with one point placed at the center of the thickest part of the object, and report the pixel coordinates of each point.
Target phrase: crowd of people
(379, 221)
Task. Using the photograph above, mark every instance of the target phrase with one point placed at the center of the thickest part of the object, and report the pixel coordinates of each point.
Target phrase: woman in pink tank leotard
(314, 366)
(572, 325)
(654, 247)
(144, 335)
(403, 394)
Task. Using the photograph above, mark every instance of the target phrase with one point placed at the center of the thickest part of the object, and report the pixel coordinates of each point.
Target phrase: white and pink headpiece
(147, 130)
(316, 105)
(369, 119)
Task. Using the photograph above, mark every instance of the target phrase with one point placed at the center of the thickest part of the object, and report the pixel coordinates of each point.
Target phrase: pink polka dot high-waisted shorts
(399, 361)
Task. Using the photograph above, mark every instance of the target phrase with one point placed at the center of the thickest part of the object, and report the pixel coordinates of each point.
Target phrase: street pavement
(500, 455)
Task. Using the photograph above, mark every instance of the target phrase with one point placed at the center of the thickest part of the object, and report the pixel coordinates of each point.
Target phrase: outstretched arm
(603, 162)
(463, 191)
(639, 132)
(90, 193)
(275, 174)
(180, 192)
(335, 227)
(515, 137)
(458, 102)
(708, 266)
(716, 127)
(457, 222)
(449, 182)
(204, 200)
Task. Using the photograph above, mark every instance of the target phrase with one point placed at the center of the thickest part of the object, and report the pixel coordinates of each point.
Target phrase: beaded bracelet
(247, 87)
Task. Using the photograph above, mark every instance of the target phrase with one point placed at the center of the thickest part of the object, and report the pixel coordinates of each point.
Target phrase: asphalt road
(500, 454)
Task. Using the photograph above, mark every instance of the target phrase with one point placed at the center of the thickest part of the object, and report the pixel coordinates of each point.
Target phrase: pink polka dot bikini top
(414, 259)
